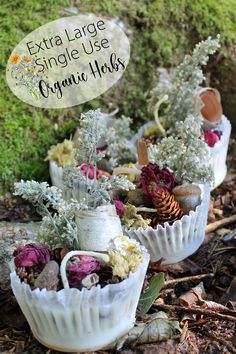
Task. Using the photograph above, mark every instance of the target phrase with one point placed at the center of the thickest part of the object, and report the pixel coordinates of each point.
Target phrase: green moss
(161, 32)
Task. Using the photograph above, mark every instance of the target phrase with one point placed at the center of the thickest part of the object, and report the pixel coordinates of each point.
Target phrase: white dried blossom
(125, 256)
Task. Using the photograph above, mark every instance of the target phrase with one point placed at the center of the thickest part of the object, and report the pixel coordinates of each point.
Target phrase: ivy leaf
(146, 300)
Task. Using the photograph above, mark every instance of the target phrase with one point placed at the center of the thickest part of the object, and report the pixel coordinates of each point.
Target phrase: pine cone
(28, 274)
(168, 208)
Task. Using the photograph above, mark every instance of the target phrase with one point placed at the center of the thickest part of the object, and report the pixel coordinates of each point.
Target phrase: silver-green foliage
(117, 138)
(92, 130)
(58, 228)
(185, 153)
(91, 193)
(185, 81)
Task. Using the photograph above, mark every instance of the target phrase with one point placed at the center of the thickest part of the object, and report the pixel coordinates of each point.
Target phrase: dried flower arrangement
(167, 212)
(76, 217)
(165, 216)
(183, 98)
(113, 143)
(78, 300)
(63, 153)
(124, 256)
(88, 291)
(26, 73)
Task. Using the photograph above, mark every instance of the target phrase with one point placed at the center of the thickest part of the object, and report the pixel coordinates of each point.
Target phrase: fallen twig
(220, 223)
(197, 311)
(185, 279)
(217, 339)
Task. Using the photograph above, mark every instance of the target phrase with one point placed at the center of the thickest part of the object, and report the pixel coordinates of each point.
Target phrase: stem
(43, 207)
(195, 310)
(156, 109)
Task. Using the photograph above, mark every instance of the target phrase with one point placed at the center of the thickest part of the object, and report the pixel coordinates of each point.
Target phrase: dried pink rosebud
(85, 168)
(30, 255)
(211, 137)
(154, 179)
(83, 266)
(218, 133)
(120, 209)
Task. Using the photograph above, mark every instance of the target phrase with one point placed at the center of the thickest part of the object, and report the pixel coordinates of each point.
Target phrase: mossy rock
(160, 33)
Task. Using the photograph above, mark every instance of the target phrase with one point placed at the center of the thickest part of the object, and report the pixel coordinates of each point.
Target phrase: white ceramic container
(178, 241)
(219, 153)
(96, 228)
(56, 173)
(73, 320)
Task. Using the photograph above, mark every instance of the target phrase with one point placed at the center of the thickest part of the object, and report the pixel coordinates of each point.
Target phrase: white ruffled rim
(73, 320)
(175, 242)
(219, 153)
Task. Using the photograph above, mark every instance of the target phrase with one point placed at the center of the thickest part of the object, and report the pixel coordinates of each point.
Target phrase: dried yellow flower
(125, 256)
(132, 219)
(63, 153)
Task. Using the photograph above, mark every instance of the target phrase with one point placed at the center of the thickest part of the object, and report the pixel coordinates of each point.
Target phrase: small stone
(188, 196)
(49, 277)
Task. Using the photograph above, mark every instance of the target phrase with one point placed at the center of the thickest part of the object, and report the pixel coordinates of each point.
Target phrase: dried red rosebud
(30, 255)
(120, 209)
(85, 168)
(211, 137)
(154, 179)
(83, 266)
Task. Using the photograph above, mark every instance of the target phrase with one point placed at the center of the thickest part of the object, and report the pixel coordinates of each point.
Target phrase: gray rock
(12, 235)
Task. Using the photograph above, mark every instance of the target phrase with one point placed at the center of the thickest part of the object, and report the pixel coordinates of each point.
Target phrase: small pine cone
(168, 208)
(28, 275)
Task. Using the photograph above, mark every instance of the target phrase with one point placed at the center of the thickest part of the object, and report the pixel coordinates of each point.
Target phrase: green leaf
(146, 300)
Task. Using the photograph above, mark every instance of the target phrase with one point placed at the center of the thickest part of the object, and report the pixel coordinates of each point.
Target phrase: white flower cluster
(125, 256)
(185, 154)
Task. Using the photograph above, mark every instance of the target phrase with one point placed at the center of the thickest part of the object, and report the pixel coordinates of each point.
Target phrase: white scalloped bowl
(73, 320)
(56, 173)
(219, 153)
(178, 241)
